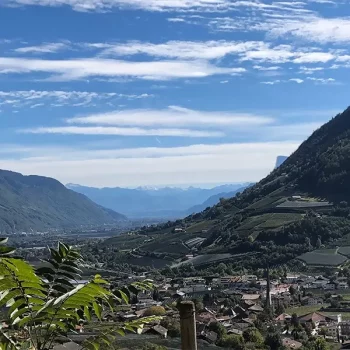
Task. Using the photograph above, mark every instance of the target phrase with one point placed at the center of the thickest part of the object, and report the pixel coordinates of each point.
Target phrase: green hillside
(300, 205)
(38, 203)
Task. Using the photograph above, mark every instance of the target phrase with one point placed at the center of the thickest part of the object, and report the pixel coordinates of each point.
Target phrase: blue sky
(166, 92)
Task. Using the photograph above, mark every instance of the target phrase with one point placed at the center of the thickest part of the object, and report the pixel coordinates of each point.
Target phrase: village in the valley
(295, 306)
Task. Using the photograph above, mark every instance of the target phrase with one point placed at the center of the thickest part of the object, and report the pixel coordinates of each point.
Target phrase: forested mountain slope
(303, 202)
(38, 203)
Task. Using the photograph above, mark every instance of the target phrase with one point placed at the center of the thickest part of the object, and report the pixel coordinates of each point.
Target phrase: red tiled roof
(291, 344)
(283, 317)
(313, 317)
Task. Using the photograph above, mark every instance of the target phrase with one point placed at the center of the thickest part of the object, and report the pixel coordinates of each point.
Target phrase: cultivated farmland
(327, 257)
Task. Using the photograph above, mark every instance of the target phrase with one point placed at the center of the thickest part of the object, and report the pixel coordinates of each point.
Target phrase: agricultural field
(303, 310)
(251, 222)
(278, 219)
(325, 257)
(198, 227)
(194, 242)
(267, 202)
(303, 204)
(125, 242)
(344, 251)
(173, 243)
(269, 221)
(166, 246)
(147, 261)
(208, 258)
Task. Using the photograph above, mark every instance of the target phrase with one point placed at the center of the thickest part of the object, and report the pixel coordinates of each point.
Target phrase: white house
(342, 285)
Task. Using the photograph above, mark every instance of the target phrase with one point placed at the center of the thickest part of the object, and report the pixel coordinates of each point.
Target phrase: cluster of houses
(317, 282)
(235, 302)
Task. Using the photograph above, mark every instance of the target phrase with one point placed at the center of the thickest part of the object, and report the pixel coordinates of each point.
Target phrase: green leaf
(130, 328)
(99, 280)
(120, 332)
(87, 313)
(3, 240)
(20, 303)
(60, 288)
(124, 297)
(32, 285)
(61, 325)
(6, 250)
(53, 263)
(55, 256)
(91, 345)
(63, 249)
(18, 313)
(8, 295)
(45, 271)
(64, 281)
(97, 309)
(21, 321)
(35, 292)
(43, 308)
(67, 295)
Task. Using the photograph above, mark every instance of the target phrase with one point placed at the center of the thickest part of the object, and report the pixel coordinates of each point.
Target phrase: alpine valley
(301, 206)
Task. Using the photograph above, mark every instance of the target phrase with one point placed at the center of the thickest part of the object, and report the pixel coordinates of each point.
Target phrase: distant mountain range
(215, 199)
(168, 202)
(38, 203)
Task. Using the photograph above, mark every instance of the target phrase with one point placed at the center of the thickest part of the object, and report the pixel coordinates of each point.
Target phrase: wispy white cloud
(43, 48)
(263, 54)
(37, 105)
(75, 69)
(266, 68)
(180, 122)
(175, 19)
(183, 49)
(287, 19)
(284, 54)
(312, 57)
(297, 80)
(57, 98)
(313, 28)
(310, 70)
(322, 81)
(173, 116)
(59, 152)
(154, 5)
(272, 82)
(283, 18)
(113, 131)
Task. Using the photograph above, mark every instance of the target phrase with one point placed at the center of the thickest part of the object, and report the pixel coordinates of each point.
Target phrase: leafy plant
(47, 304)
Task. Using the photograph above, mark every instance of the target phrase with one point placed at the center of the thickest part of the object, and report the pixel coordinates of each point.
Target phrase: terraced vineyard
(254, 224)
(303, 204)
(208, 259)
(344, 251)
(325, 257)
